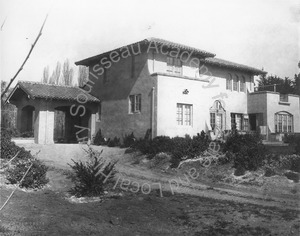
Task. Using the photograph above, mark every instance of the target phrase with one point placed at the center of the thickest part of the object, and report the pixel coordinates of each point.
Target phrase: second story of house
(116, 74)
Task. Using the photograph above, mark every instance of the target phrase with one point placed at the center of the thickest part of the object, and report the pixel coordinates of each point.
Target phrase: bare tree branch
(21, 68)
(3, 23)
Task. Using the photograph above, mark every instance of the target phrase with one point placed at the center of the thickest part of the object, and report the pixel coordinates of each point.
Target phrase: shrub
(143, 145)
(93, 176)
(293, 139)
(161, 160)
(115, 142)
(180, 148)
(128, 140)
(248, 150)
(36, 176)
(99, 139)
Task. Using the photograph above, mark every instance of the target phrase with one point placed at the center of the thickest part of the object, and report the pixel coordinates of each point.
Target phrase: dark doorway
(252, 121)
(67, 128)
(27, 122)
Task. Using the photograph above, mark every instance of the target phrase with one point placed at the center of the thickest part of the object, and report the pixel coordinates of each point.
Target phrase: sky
(258, 33)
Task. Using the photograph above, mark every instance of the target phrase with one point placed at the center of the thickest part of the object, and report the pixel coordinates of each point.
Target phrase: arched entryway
(217, 117)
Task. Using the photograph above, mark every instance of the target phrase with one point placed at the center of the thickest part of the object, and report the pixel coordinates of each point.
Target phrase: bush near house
(91, 178)
(35, 178)
(99, 139)
(247, 149)
(293, 139)
(128, 140)
(180, 148)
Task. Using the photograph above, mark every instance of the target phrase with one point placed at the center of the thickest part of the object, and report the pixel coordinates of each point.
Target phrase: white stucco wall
(201, 95)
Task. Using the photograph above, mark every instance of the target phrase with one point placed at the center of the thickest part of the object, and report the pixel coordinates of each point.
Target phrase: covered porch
(55, 114)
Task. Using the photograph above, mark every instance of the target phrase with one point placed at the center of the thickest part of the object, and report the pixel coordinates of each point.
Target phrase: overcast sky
(258, 33)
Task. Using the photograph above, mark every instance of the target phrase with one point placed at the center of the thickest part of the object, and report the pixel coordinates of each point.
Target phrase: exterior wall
(44, 116)
(123, 80)
(203, 89)
(269, 103)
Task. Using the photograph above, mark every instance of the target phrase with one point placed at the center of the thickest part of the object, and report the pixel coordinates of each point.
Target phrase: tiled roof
(51, 91)
(148, 41)
(233, 65)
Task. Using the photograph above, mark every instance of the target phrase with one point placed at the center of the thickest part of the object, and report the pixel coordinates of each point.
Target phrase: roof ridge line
(36, 82)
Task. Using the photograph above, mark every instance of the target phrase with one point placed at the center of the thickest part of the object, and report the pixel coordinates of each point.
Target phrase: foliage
(128, 140)
(115, 142)
(8, 148)
(161, 160)
(248, 150)
(93, 176)
(283, 86)
(99, 139)
(180, 148)
(293, 139)
(283, 162)
(36, 176)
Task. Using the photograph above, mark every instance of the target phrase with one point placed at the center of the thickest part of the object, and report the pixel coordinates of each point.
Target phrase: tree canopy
(283, 86)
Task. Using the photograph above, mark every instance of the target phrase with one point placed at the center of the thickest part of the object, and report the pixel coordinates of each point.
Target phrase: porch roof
(51, 91)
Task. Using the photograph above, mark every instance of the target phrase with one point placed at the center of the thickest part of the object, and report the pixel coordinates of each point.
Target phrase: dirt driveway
(198, 210)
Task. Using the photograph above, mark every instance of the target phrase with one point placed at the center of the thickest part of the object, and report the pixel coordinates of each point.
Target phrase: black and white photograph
(147, 117)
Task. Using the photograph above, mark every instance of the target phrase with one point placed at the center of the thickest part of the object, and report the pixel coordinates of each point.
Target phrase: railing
(271, 88)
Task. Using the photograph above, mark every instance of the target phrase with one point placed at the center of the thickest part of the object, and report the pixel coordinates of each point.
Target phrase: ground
(180, 207)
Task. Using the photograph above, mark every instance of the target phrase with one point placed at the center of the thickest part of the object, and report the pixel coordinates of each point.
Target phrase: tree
(67, 73)
(55, 77)
(45, 78)
(296, 84)
(83, 74)
(271, 83)
(27, 57)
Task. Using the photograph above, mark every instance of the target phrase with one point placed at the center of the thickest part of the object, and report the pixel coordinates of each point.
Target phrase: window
(235, 83)
(174, 65)
(229, 82)
(213, 120)
(283, 122)
(242, 84)
(217, 116)
(240, 121)
(184, 114)
(283, 97)
(135, 103)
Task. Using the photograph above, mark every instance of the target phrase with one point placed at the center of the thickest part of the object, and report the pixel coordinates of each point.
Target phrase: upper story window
(236, 83)
(174, 65)
(184, 114)
(135, 103)
(229, 82)
(283, 122)
(283, 97)
(243, 84)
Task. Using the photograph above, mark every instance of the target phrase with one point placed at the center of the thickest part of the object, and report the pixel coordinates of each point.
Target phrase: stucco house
(158, 87)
